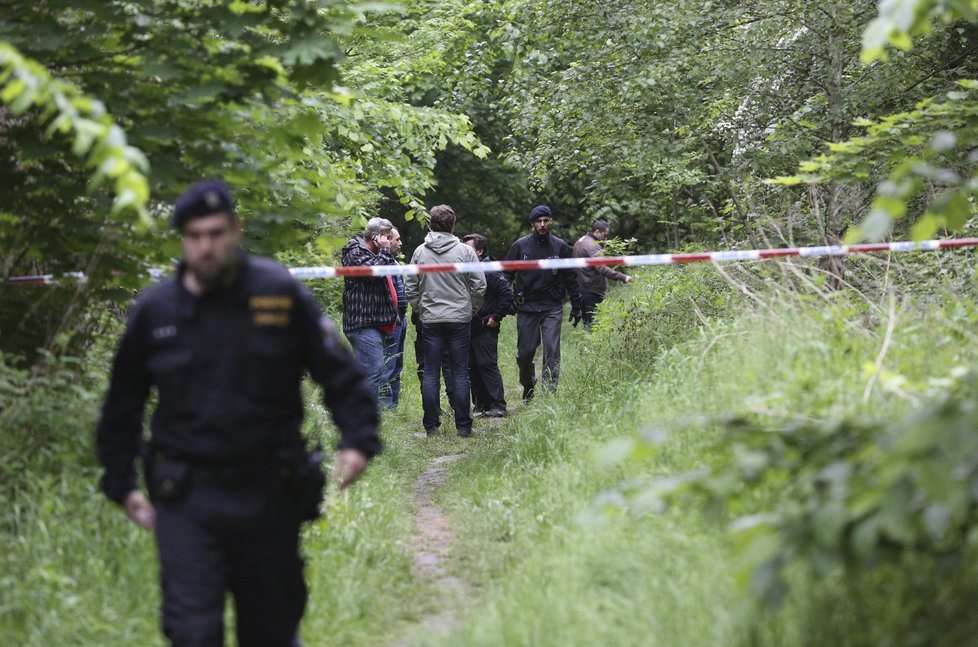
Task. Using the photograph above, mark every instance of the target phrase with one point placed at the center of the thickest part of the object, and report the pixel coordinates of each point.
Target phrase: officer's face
(395, 242)
(542, 226)
(209, 245)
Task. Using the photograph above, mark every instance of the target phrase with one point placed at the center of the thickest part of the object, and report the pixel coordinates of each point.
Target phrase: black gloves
(575, 316)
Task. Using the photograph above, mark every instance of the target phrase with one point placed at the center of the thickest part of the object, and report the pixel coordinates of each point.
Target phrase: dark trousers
(436, 338)
(487, 382)
(446, 365)
(241, 538)
(589, 302)
(531, 329)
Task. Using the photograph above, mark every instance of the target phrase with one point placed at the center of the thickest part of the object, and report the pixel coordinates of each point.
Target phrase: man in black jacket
(487, 382)
(225, 342)
(370, 307)
(539, 299)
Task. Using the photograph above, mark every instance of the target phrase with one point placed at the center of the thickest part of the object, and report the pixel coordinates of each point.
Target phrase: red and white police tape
(307, 273)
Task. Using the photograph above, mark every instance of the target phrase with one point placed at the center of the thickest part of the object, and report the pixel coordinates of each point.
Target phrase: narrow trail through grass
(432, 546)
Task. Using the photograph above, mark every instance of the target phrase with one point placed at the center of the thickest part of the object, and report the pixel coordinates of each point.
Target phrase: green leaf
(875, 225)
(12, 91)
(955, 209)
(926, 227)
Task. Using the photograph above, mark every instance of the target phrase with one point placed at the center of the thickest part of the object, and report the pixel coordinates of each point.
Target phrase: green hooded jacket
(445, 297)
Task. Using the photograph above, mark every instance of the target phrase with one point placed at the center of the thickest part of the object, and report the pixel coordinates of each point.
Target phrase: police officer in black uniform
(539, 298)
(225, 341)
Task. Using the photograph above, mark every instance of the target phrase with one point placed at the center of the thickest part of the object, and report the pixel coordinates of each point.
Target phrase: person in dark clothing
(487, 382)
(593, 281)
(390, 388)
(225, 342)
(370, 308)
(539, 298)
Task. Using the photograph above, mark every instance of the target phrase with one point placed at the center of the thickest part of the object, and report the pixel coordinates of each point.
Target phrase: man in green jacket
(445, 302)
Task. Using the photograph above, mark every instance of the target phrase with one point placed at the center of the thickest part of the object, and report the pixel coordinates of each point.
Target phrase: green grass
(556, 569)
(74, 571)
(548, 555)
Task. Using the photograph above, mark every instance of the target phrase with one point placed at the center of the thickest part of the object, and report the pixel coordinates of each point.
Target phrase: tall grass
(560, 569)
(548, 557)
(74, 571)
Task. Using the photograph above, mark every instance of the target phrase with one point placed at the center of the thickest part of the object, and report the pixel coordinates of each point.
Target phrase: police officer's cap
(202, 199)
(543, 211)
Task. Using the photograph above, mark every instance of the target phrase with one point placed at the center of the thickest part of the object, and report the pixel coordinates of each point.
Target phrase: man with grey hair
(370, 305)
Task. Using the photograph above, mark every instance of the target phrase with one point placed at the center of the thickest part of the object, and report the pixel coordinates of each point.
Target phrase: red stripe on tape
(521, 265)
(355, 270)
(690, 258)
(430, 269)
(777, 253)
(960, 242)
(603, 260)
(870, 247)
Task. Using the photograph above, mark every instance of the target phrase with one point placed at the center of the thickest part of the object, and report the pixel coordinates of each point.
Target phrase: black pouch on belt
(167, 478)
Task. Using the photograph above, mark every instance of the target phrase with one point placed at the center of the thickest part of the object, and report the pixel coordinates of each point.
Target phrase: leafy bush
(656, 310)
(834, 442)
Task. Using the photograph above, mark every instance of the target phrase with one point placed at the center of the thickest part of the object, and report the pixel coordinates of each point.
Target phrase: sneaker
(479, 414)
(464, 433)
(527, 394)
(497, 412)
(431, 432)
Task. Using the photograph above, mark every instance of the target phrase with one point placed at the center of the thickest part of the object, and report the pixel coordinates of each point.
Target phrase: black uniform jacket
(542, 290)
(227, 367)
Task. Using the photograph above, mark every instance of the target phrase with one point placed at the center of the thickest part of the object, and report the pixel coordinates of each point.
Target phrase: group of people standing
(458, 315)
(225, 341)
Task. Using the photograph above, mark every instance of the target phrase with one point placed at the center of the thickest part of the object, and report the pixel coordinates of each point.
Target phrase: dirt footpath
(431, 549)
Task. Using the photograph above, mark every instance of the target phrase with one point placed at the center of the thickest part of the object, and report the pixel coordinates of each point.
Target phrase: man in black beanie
(539, 301)
(225, 341)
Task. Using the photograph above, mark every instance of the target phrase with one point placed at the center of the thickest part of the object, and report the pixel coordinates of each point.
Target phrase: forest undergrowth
(572, 524)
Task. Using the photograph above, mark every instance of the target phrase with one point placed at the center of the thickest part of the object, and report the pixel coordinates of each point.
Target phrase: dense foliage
(245, 91)
(820, 416)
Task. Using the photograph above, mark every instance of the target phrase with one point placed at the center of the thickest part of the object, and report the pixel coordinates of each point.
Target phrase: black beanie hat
(202, 199)
(542, 211)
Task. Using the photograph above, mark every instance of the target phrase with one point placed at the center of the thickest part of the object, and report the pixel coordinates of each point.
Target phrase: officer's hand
(628, 279)
(492, 323)
(140, 511)
(348, 466)
(575, 317)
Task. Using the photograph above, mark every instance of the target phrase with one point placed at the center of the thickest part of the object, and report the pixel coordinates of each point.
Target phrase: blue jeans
(368, 348)
(390, 387)
(436, 337)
